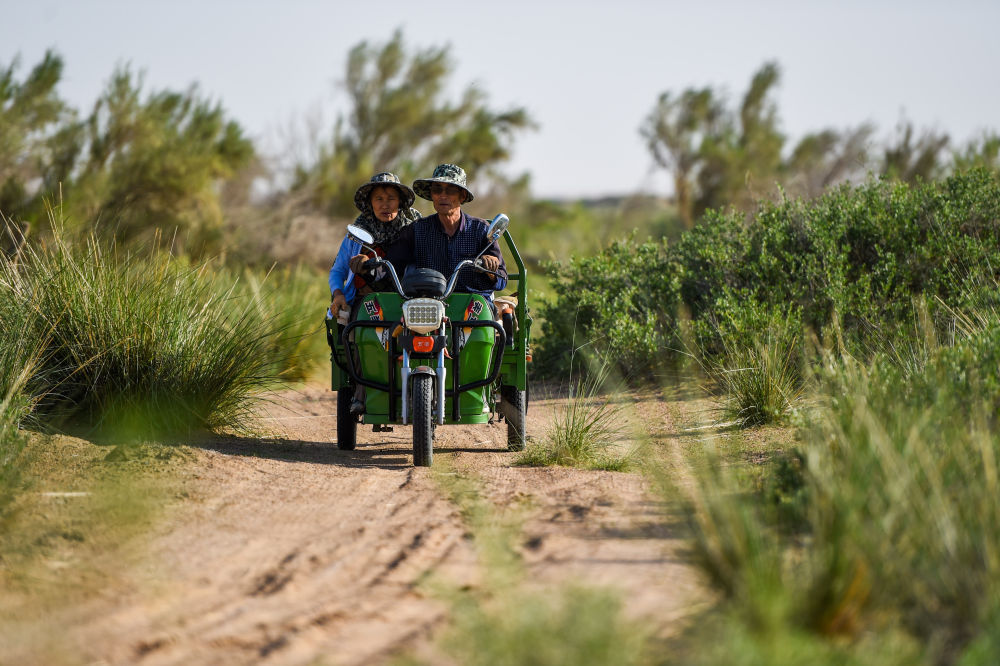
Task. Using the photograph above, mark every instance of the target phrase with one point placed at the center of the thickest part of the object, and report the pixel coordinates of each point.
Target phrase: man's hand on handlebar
(489, 263)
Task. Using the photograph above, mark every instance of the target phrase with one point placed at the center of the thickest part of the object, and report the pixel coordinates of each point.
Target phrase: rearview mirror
(356, 233)
(497, 227)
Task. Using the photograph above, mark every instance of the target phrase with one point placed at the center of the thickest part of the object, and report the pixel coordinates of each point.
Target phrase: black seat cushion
(423, 282)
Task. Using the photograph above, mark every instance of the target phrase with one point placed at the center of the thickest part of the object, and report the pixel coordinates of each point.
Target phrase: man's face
(385, 203)
(446, 198)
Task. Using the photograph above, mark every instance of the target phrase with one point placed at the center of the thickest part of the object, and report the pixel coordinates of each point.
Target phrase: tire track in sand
(289, 551)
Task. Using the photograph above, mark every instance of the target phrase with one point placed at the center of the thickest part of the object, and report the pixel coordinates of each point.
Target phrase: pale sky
(588, 72)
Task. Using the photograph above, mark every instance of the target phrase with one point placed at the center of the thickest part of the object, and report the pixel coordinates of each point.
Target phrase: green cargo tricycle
(430, 357)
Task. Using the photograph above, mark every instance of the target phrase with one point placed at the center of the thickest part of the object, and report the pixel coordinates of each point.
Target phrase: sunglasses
(445, 189)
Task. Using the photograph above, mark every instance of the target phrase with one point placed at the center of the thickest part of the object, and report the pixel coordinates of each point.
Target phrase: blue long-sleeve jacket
(341, 276)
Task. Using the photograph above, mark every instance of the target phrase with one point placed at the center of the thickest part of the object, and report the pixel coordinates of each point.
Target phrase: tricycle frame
(508, 364)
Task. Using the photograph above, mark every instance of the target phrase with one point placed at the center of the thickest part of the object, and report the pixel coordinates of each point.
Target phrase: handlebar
(452, 281)
(375, 262)
(497, 228)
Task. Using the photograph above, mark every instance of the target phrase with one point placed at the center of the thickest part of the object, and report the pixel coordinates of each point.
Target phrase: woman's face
(385, 203)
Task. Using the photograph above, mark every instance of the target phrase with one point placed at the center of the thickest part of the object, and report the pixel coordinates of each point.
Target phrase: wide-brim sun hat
(362, 197)
(449, 174)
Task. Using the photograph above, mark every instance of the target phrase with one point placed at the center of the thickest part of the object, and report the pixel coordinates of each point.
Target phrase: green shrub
(622, 299)
(857, 263)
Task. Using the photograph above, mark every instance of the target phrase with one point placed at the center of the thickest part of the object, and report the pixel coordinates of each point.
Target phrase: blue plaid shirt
(425, 245)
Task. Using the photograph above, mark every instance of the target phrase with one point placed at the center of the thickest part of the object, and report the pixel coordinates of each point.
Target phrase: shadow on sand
(381, 455)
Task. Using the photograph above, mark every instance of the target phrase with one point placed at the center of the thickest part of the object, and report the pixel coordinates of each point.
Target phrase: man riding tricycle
(436, 349)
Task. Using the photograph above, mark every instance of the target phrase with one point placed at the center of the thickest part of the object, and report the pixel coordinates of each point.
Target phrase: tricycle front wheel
(347, 424)
(514, 407)
(422, 390)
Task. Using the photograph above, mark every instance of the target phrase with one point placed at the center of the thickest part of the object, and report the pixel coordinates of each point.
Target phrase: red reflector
(423, 344)
(527, 358)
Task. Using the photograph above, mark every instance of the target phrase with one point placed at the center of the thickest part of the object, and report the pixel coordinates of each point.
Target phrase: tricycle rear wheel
(347, 424)
(514, 405)
(422, 390)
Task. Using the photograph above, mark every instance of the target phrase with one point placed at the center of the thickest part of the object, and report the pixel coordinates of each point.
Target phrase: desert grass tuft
(292, 301)
(18, 362)
(758, 366)
(136, 345)
(585, 427)
(895, 530)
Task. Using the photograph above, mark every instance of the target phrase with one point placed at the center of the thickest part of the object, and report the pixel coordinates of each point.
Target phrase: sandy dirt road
(288, 551)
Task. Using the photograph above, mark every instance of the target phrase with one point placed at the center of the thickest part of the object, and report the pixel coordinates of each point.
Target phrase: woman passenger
(385, 205)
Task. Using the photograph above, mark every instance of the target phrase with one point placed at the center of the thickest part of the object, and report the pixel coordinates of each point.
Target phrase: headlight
(423, 315)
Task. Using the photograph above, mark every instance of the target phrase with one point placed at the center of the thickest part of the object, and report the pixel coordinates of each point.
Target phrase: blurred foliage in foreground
(875, 538)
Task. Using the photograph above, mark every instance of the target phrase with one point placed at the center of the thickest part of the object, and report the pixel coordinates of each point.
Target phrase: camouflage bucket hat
(449, 174)
(362, 198)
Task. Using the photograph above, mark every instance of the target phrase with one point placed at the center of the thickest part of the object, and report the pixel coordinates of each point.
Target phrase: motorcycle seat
(423, 282)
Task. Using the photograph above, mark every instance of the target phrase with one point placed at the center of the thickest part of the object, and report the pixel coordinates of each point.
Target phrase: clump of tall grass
(899, 532)
(135, 344)
(913, 470)
(760, 382)
(584, 428)
(13, 407)
(18, 362)
(292, 301)
(758, 364)
(18, 357)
